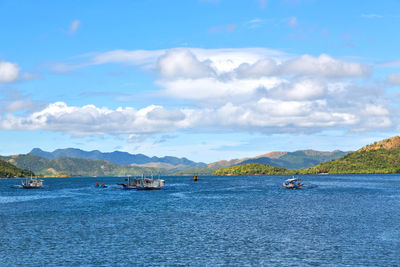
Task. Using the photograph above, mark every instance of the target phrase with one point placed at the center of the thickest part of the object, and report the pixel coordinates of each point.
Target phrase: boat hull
(144, 188)
(31, 187)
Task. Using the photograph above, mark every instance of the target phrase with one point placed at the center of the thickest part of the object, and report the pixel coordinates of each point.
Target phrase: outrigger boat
(31, 183)
(293, 183)
(143, 184)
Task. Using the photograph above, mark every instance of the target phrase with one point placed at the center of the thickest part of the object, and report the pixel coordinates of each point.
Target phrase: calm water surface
(219, 221)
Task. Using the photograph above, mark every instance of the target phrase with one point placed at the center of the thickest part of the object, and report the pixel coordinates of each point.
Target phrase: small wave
(16, 199)
(179, 195)
(178, 184)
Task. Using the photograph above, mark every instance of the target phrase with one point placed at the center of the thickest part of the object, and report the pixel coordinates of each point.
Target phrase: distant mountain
(8, 170)
(117, 157)
(225, 163)
(290, 160)
(75, 167)
(296, 160)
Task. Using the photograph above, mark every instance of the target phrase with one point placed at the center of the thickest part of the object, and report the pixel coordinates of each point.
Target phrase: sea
(336, 220)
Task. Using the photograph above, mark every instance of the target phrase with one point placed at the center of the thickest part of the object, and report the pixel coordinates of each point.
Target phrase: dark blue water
(219, 221)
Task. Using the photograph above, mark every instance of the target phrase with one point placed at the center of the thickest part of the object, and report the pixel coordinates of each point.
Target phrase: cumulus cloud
(222, 60)
(394, 78)
(247, 65)
(303, 89)
(91, 120)
(74, 26)
(183, 64)
(264, 67)
(324, 65)
(8, 72)
(265, 115)
(255, 62)
(211, 89)
(249, 89)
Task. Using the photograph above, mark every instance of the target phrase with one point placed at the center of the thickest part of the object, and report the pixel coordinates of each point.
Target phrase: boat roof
(293, 180)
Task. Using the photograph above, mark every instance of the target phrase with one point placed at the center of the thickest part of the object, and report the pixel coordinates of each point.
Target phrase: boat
(143, 184)
(293, 183)
(32, 183)
(100, 185)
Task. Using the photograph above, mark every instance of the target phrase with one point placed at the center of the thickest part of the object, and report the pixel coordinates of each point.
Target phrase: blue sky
(202, 79)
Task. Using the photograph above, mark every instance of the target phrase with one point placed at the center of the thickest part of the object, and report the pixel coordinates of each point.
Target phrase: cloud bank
(247, 90)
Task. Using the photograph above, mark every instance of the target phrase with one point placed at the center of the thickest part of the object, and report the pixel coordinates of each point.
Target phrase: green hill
(8, 170)
(252, 169)
(380, 157)
(75, 167)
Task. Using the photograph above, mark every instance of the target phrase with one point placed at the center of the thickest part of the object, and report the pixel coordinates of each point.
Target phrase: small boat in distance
(32, 183)
(143, 184)
(293, 183)
(100, 185)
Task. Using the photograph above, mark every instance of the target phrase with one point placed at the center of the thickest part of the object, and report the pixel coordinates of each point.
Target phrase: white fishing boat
(292, 183)
(143, 183)
(31, 183)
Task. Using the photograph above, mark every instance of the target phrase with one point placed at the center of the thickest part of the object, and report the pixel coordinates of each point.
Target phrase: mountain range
(117, 157)
(380, 157)
(289, 160)
(61, 167)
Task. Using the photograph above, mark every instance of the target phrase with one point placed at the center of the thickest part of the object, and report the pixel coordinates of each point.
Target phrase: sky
(203, 79)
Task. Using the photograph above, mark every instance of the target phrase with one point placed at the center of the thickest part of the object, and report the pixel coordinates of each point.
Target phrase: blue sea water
(344, 220)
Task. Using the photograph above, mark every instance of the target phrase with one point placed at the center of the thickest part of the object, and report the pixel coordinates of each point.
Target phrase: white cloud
(91, 120)
(8, 72)
(303, 89)
(183, 64)
(324, 65)
(266, 115)
(394, 78)
(264, 67)
(74, 26)
(249, 89)
(215, 89)
(200, 63)
(222, 60)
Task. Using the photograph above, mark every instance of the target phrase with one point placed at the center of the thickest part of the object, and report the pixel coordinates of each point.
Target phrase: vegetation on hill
(380, 157)
(8, 170)
(252, 169)
(365, 161)
(75, 167)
